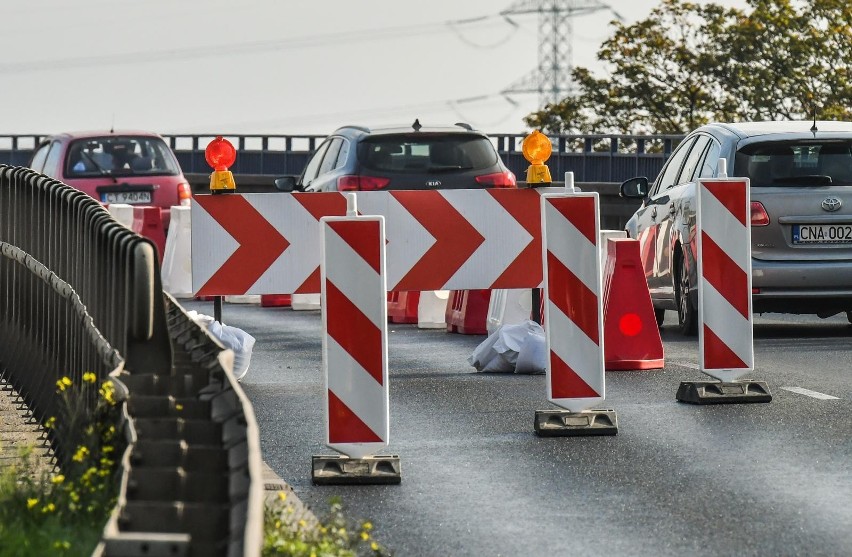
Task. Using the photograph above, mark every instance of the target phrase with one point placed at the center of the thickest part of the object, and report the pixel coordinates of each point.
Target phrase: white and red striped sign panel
(268, 243)
(573, 306)
(355, 350)
(723, 243)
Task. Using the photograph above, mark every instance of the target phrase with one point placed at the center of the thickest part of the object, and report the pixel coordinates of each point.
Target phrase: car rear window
(426, 153)
(796, 163)
(120, 156)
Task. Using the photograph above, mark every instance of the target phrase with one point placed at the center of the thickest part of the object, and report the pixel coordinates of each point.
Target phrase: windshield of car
(117, 155)
(796, 163)
(414, 153)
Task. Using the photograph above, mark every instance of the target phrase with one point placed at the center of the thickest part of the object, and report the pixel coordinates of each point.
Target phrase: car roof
(403, 129)
(785, 129)
(101, 133)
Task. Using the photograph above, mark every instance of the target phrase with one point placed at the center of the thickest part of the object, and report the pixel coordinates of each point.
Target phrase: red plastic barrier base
(467, 312)
(402, 307)
(275, 300)
(148, 222)
(631, 337)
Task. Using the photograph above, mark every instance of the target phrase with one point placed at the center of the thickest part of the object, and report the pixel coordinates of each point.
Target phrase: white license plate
(129, 197)
(822, 234)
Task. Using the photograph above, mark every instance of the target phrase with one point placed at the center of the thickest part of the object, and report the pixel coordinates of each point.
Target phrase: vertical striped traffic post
(725, 326)
(573, 316)
(354, 348)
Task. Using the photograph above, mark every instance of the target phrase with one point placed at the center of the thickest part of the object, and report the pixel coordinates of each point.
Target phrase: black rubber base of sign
(717, 392)
(562, 423)
(342, 470)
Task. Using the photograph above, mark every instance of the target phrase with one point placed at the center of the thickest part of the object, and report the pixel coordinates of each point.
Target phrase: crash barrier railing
(79, 293)
(591, 157)
(192, 485)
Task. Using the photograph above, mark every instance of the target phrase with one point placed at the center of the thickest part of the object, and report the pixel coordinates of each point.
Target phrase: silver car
(801, 216)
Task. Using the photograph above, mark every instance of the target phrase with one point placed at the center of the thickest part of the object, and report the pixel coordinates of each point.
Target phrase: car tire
(659, 315)
(849, 317)
(687, 313)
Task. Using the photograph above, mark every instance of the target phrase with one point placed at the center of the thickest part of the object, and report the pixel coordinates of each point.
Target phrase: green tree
(688, 64)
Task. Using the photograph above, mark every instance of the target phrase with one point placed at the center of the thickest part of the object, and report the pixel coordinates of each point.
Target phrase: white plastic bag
(231, 337)
(517, 348)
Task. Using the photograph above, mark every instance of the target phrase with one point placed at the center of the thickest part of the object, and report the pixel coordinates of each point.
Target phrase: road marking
(808, 392)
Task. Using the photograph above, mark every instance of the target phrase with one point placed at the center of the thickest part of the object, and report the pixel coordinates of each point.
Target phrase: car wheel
(687, 313)
(660, 315)
(849, 317)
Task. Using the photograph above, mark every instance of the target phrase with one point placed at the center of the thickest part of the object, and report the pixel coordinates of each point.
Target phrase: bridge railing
(592, 157)
(81, 293)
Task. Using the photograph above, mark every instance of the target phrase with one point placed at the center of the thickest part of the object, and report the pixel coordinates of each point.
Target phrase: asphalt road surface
(678, 479)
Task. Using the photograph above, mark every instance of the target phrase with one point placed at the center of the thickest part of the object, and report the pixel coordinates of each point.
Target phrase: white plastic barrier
(122, 212)
(176, 270)
(508, 307)
(606, 235)
(432, 309)
(302, 302)
(243, 299)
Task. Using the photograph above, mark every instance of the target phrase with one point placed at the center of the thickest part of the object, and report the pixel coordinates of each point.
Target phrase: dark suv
(356, 158)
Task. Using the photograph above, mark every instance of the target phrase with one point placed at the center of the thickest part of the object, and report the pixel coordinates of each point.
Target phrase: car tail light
(184, 194)
(498, 180)
(361, 183)
(759, 216)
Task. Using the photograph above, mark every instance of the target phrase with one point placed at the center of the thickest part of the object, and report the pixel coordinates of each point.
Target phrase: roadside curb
(273, 485)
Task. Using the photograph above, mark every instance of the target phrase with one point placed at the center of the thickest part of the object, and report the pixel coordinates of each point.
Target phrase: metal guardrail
(79, 292)
(592, 157)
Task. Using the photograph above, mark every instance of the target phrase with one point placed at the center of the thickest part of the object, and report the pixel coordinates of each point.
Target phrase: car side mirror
(286, 184)
(635, 188)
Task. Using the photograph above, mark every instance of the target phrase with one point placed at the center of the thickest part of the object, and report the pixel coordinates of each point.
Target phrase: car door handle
(672, 209)
(654, 213)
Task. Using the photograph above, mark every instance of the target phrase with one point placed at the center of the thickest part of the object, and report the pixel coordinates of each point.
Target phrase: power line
(211, 51)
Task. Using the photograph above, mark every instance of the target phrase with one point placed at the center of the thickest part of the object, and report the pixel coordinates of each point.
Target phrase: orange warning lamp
(220, 154)
(537, 148)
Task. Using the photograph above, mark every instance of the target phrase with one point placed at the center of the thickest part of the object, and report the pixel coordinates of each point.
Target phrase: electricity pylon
(552, 78)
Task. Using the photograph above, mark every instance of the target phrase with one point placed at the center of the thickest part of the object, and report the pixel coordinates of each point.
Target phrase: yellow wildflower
(89, 377)
(302, 523)
(374, 546)
(74, 496)
(365, 536)
(49, 508)
(51, 421)
(178, 407)
(66, 381)
(107, 391)
(57, 479)
(277, 524)
(62, 545)
(32, 503)
(282, 496)
(367, 526)
(81, 454)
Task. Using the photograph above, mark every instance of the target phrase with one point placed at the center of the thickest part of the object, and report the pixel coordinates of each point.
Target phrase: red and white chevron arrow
(573, 308)
(726, 342)
(355, 354)
(437, 240)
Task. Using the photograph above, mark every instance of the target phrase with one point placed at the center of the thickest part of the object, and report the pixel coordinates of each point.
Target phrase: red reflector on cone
(631, 337)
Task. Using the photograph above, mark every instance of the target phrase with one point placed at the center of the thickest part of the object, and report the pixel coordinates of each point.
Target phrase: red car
(133, 167)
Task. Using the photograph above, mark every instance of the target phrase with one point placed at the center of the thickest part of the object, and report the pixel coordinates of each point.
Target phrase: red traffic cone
(631, 337)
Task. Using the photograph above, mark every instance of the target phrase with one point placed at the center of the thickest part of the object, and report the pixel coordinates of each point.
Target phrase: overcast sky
(273, 66)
